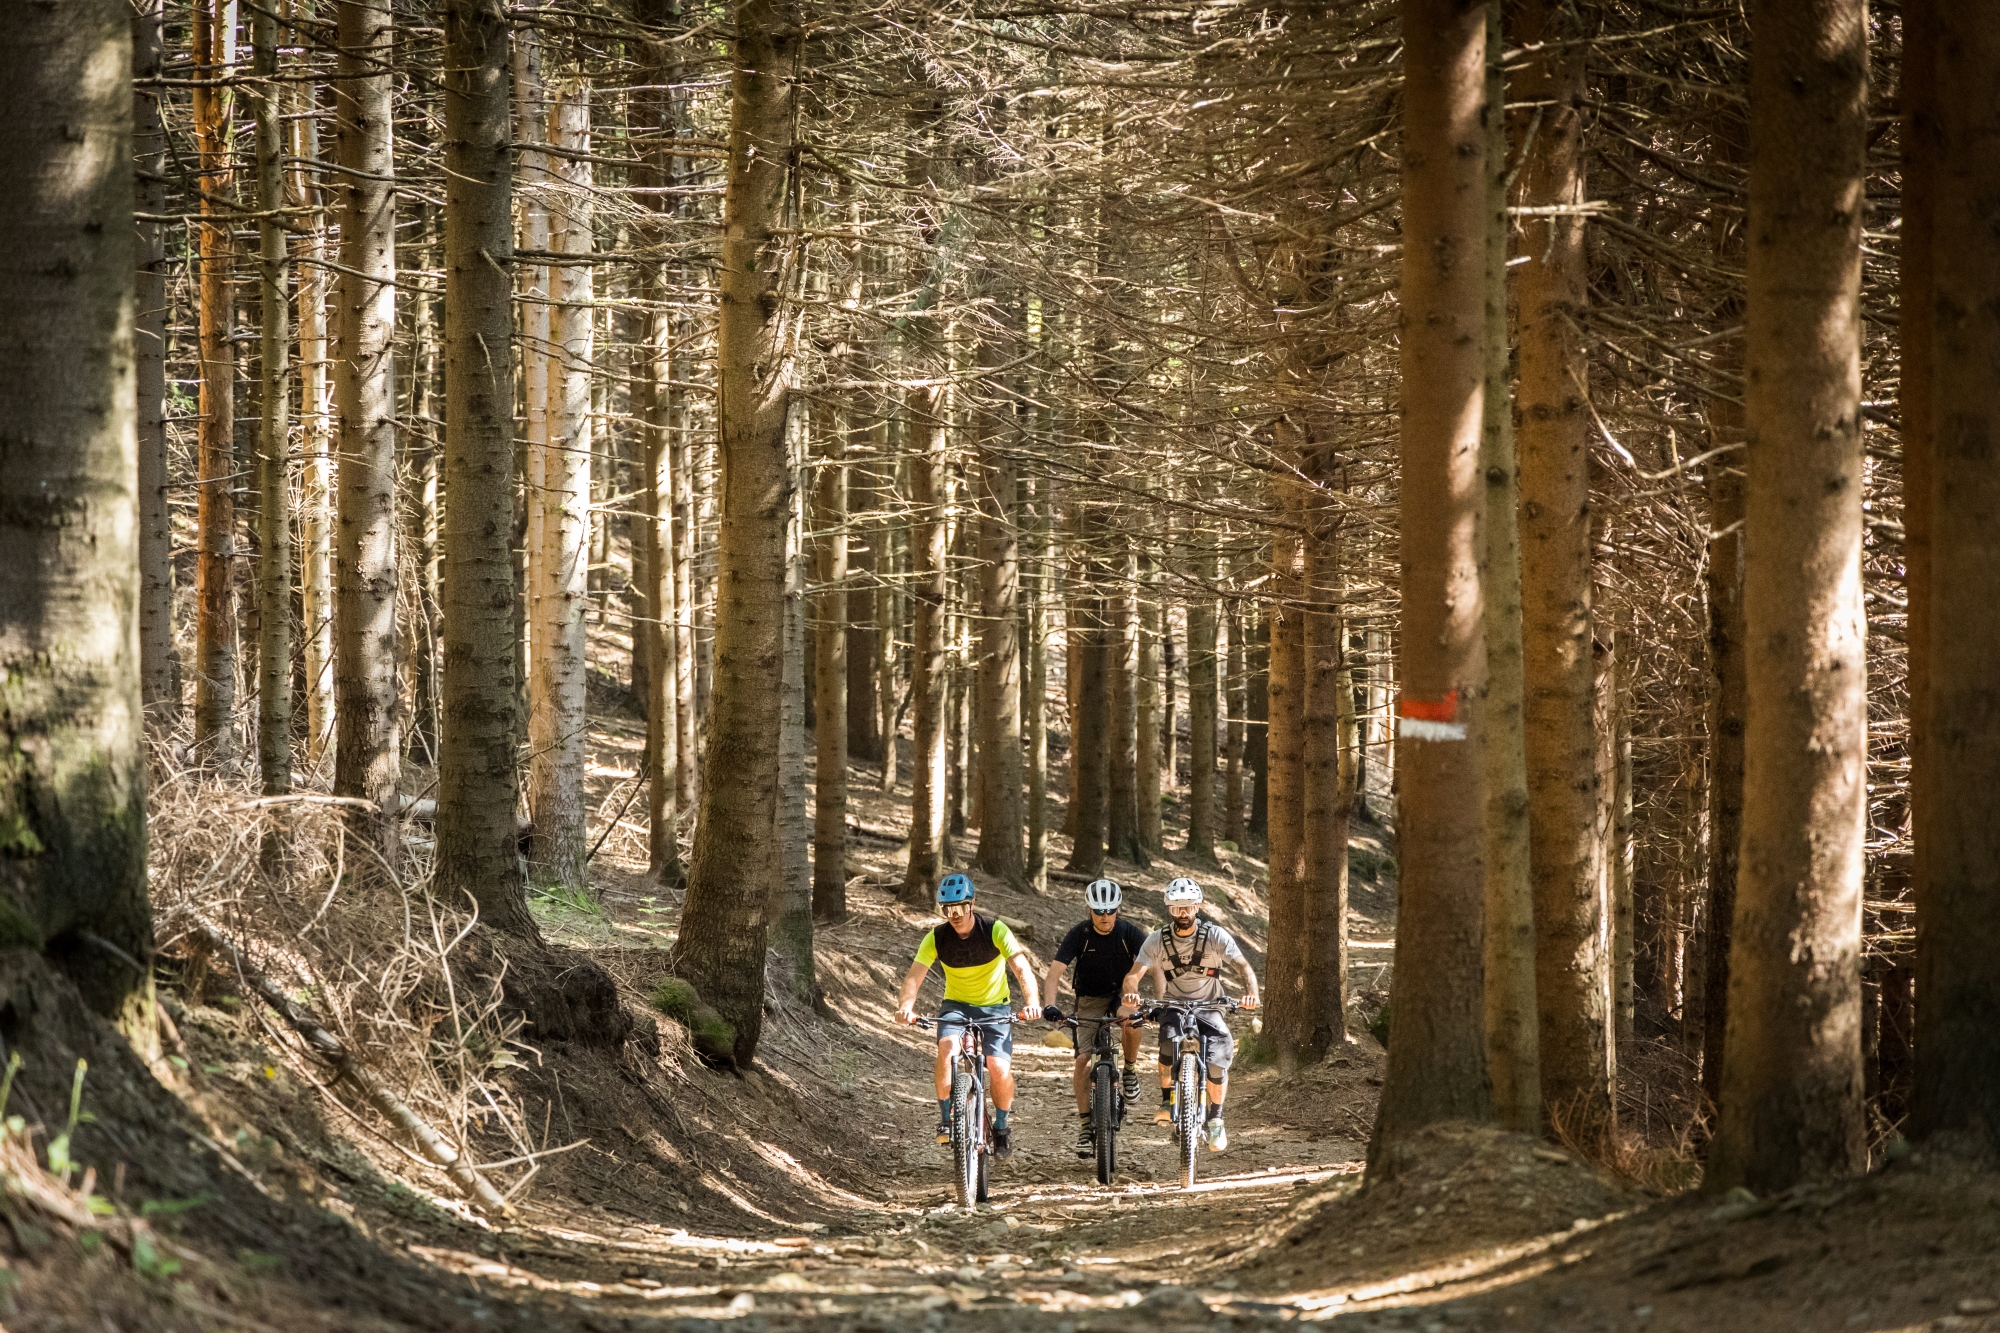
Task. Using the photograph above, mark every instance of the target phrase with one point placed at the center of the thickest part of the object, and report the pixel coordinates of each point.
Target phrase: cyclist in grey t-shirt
(1191, 954)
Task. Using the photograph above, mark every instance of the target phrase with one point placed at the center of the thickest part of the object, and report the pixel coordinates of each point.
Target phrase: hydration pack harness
(1179, 965)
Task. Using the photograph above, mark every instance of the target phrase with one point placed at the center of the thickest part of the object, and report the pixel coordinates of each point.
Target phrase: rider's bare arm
(906, 1001)
(1052, 981)
(1026, 974)
(1249, 983)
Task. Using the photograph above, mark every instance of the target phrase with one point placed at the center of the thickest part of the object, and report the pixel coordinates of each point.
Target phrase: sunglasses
(1112, 912)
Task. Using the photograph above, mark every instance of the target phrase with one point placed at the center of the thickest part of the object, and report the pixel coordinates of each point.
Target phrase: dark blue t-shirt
(1100, 962)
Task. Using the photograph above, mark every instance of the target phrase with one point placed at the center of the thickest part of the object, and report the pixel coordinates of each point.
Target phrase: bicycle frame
(970, 1136)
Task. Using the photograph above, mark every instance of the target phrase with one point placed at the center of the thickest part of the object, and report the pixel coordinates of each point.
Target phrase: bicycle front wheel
(965, 1110)
(1104, 1119)
(1189, 1094)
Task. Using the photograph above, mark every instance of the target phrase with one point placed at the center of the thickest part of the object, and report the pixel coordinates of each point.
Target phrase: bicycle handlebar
(959, 1020)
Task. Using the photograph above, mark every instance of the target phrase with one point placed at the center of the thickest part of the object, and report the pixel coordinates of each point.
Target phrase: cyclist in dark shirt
(1102, 950)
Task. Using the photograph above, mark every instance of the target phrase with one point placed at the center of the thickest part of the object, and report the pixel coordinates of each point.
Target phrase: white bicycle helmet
(1183, 890)
(1104, 895)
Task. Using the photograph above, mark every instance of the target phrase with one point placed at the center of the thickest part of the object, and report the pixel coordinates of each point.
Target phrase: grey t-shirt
(1187, 974)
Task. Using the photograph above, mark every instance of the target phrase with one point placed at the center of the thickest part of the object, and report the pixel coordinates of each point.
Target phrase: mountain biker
(975, 951)
(1102, 948)
(1190, 953)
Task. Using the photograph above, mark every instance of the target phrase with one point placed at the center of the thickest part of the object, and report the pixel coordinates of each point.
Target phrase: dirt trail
(806, 1193)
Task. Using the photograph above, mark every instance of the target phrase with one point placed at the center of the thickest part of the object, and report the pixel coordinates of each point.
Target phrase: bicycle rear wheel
(1189, 1094)
(965, 1106)
(1104, 1119)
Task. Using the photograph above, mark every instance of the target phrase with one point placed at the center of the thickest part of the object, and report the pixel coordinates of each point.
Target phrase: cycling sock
(944, 1110)
(999, 1118)
(1166, 1096)
(1214, 1111)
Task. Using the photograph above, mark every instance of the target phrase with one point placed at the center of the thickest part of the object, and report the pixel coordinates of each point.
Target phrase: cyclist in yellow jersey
(975, 950)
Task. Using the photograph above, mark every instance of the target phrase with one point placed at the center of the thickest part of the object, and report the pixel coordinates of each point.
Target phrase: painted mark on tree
(1429, 719)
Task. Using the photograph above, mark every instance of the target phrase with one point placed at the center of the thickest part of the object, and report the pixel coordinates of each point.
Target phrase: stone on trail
(1173, 1302)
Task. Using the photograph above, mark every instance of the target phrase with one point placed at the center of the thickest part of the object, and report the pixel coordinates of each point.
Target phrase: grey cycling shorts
(1218, 1044)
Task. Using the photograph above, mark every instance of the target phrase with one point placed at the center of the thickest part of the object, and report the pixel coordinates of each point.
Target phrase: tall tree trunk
(215, 462)
(316, 494)
(477, 849)
(1034, 710)
(1285, 961)
(532, 169)
(865, 640)
(830, 677)
(1121, 670)
(1326, 775)
(1089, 700)
(1257, 720)
(889, 616)
(1958, 916)
(929, 590)
(1512, 1046)
(72, 791)
(159, 665)
(1722, 592)
(1792, 1092)
(368, 743)
(274, 496)
(721, 947)
(558, 570)
(1437, 1053)
(1146, 706)
(1236, 700)
(1201, 669)
(792, 879)
(999, 648)
(1572, 964)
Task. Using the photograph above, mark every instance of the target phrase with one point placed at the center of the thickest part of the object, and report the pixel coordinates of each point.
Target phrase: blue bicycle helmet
(954, 889)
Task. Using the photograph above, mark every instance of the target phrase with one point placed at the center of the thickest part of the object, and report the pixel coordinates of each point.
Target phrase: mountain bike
(1107, 1101)
(1190, 1075)
(971, 1131)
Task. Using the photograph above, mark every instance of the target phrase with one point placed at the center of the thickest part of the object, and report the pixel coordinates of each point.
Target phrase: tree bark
(829, 854)
(792, 878)
(368, 736)
(1512, 1048)
(274, 492)
(1722, 590)
(1326, 772)
(72, 787)
(1089, 699)
(477, 851)
(723, 919)
(1121, 671)
(215, 462)
(1201, 669)
(1792, 1093)
(1000, 774)
(1958, 915)
(1285, 960)
(929, 590)
(316, 493)
(1235, 698)
(1566, 857)
(159, 664)
(1437, 1052)
(1257, 720)
(559, 496)
(1150, 717)
(1034, 710)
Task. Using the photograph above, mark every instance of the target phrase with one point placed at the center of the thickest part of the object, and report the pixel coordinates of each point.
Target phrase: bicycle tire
(1104, 1119)
(964, 1138)
(1189, 1096)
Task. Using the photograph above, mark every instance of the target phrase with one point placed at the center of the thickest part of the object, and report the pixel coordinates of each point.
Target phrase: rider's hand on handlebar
(906, 1014)
(1247, 1002)
(1051, 1014)
(1129, 1005)
(1029, 1013)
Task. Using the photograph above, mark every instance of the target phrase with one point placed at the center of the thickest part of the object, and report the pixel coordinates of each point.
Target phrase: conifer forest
(661, 660)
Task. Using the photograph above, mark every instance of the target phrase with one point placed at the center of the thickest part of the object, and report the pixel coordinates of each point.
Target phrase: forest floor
(806, 1193)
